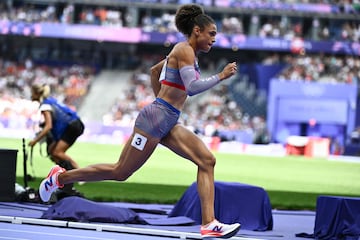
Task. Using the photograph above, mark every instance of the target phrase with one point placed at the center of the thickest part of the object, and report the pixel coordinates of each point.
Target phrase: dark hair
(190, 15)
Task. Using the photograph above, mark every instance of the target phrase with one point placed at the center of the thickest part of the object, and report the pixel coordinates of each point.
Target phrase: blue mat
(83, 210)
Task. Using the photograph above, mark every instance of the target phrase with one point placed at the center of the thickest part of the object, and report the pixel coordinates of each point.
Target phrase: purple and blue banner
(241, 41)
(74, 31)
(137, 35)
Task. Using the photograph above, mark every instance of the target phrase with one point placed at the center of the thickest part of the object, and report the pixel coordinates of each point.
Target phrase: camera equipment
(30, 194)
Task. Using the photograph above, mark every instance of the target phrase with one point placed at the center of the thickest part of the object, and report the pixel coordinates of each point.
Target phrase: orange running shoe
(50, 183)
(215, 229)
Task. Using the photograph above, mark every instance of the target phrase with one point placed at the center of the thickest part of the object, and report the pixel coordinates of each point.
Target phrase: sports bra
(171, 76)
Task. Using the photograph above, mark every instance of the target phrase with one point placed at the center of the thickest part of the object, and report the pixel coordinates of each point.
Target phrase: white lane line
(54, 234)
(11, 238)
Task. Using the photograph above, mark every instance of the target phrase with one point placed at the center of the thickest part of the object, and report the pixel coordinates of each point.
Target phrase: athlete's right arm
(154, 76)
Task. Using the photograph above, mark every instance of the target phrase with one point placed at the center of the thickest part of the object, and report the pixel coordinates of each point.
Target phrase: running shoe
(216, 229)
(50, 183)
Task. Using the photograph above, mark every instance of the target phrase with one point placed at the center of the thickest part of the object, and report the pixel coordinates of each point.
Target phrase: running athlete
(173, 80)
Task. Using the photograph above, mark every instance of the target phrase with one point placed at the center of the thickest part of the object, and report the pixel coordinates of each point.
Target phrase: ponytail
(46, 91)
(42, 90)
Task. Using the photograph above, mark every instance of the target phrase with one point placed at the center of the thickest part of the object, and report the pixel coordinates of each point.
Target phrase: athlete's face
(206, 37)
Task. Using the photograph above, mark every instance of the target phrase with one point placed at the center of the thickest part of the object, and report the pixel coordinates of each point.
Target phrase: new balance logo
(48, 184)
(217, 229)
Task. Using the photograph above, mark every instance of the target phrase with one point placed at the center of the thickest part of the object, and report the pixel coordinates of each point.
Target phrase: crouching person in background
(61, 128)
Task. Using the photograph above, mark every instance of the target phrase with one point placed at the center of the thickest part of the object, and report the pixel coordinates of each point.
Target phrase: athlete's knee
(208, 162)
(57, 154)
(118, 174)
(121, 177)
(211, 161)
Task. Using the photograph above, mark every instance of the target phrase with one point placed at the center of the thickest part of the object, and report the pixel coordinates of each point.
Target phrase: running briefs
(157, 118)
(74, 130)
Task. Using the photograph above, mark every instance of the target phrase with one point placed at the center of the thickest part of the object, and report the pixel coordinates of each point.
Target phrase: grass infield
(292, 182)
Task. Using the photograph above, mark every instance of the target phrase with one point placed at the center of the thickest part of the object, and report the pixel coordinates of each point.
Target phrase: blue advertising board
(291, 105)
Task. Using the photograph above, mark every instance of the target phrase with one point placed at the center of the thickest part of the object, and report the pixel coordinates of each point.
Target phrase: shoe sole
(232, 233)
(227, 235)
(40, 192)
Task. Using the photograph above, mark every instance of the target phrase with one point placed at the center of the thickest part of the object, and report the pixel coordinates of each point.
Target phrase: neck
(192, 44)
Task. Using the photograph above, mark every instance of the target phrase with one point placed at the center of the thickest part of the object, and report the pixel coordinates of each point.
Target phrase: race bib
(138, 141)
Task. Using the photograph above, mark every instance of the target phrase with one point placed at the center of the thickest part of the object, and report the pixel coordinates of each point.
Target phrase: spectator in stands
(61, 128)
(158, 122)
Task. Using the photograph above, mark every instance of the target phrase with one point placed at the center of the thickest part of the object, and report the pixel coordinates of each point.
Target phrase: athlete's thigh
(136, 151)
(186, 143)
(60, 146)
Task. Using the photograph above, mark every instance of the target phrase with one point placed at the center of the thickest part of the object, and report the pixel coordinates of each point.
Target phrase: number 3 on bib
(138, 141)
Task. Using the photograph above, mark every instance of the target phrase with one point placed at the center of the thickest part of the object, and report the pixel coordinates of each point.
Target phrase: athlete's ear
(196, 31)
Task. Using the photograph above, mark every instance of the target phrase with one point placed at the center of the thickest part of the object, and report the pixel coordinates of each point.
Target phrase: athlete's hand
(32, 143)
(229, 70)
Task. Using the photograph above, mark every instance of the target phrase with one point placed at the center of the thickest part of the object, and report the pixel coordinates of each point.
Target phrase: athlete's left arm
(47, 128)
(154, 76)
(191, 78)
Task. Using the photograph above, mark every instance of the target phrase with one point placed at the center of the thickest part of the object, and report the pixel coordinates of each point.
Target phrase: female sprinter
(173, 79)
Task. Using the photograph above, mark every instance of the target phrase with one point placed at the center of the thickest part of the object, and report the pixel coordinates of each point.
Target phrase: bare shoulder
(183, 54)
(183, 48)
